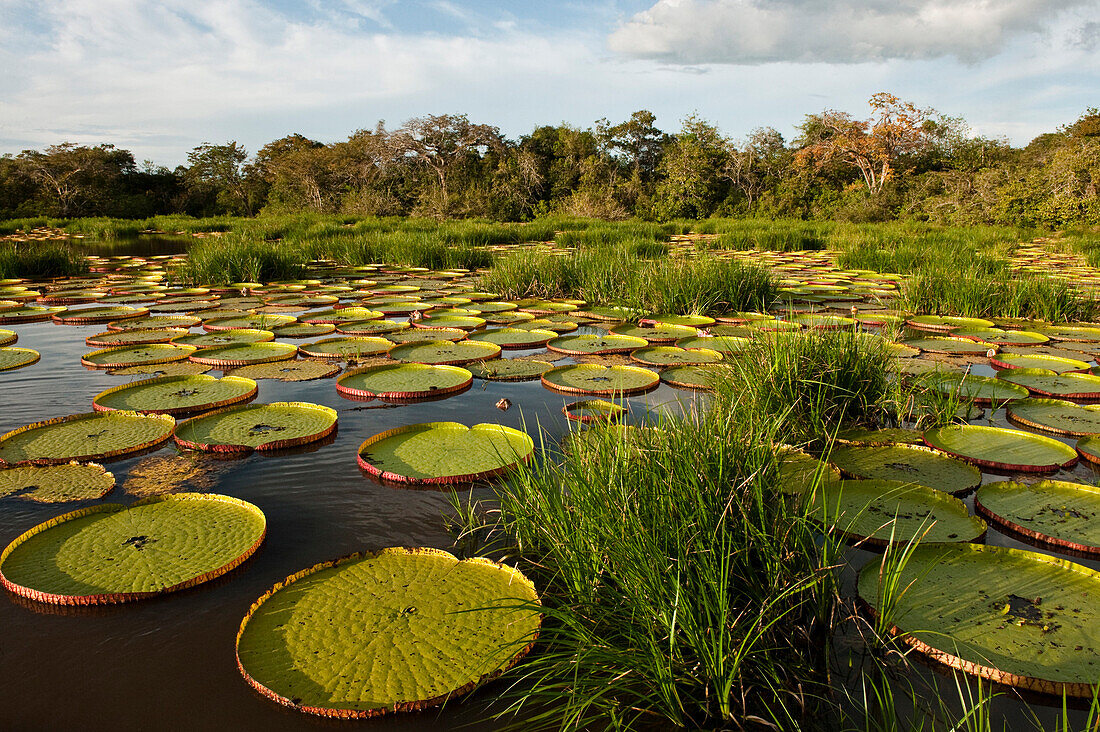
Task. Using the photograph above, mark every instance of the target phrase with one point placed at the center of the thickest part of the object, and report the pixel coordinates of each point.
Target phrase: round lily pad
(423, 335)
(176, 394)
(591, 344)
(593, 410)
(937, 323)
(703, 378)
(16, 358)
(694, 321)
(879, 436)
(999, 337)
(609, 313)
(1044, 382)
(141, 336)
(257, 427)
(29, 314)
(342, 315)
(658, 333)
(558, 326)
(515, 337)
(259, 321)
(459, 322)
(8, 337)
(99, 315)
(1056, 416)
(909, 464)
(154, 321)
(1001, 449)
(445, 352)
(1038, 361)
(345, 347)
(1015, 617)
(242, 354)
(1051, 512)
(440, 453)
(797, 471)
(674, 356)
(176, 368)
(226, 337)
(403, 381)
(307, 370)
(509, 317)
(1079, 334)
(83, 437)
(951, 346)
(723, 344)
(980, 389)
(113, 553)
(305, 330)
(447, 625)
(57, 483)
(598, 380)
(149, 353)
(509, 369)
(881, 512)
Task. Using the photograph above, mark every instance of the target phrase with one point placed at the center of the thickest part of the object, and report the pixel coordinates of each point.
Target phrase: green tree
(217, 175)
(691, 186)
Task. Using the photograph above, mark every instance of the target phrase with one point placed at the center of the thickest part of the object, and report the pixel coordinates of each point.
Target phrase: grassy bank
(40, 259)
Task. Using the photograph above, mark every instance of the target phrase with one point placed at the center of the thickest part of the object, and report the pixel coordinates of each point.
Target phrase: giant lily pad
(226, 337)
(1001, 449)
(258, 321)
(1038, 361)
(242, 354)
(57, 483)
(418, 627)
(403, 381)
(88, 436)
(29, 314)
(1044, 382)
(950, 346)
(141, 336)
(509, 369)
(1056, 416)
(943, 324)
(154, 321)
(908, 464)
(980, 389)
(8, 337)
(674, 356)
(307, 330)
(176, 394)
(149, 353)
(515, 337)
(257, 427)
(1015, 617)
(701, 378)
(16, 358)
(797, 471)
(1079, 334)
(459, 322)
(659, 333)
(587, 411)
(342, 315)
(99, 315)
(999, 337)
(439, 453)
(592, 344)
(176, 368)
(113, 553)
(881, 512)
(1050, 512)
(345, 347)
(423, 335)
(445, 352)
(727, 345)
(307, 370)
(597, 380)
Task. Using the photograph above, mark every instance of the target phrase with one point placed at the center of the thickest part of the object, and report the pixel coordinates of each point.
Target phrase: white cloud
(831, 31)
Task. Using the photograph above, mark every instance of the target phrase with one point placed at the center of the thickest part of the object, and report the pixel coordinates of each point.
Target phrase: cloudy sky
(159, 78)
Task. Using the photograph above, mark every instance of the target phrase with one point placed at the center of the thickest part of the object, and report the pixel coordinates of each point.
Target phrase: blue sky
(159, 78)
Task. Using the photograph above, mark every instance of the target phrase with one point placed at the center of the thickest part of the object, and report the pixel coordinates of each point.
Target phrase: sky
(159, 78)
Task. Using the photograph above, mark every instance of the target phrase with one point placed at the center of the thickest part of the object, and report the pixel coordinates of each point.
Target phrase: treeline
(900, 162)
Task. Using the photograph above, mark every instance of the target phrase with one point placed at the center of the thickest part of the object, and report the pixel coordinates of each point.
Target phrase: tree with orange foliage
(875, 146)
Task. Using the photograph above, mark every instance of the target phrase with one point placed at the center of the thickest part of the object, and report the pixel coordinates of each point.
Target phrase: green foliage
(231, 259)
(40, 259)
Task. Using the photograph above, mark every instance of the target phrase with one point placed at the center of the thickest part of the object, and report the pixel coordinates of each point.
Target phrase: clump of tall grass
(614, 276)
(613, 234)
(231, 258)
(396, 247)
(40, 259)
(677, 589)
(960, 292)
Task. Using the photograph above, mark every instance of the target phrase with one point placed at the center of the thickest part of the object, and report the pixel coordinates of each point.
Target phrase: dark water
(170, 662)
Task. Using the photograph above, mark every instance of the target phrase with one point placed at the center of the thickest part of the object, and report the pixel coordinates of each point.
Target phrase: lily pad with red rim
(242, 429)
(225, 337)
(598, 380)
(176, 395)
(345, 347)
(513, 338)
(674, 356)
(445, 352)
(149, 353)
(590, 344)
(1001, 449)
(243, 354)
(908, 464)
(1050, 513)
(1038, 361)
(587, 411)
(12, 358)
(1056, 416)
(57, 483)
(141, 336)
(84, 437)
(441, 453)
(403, 381)
(1044, 382)
(509, 369)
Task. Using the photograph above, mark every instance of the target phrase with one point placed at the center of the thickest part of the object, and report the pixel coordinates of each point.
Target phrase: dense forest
(898, 162)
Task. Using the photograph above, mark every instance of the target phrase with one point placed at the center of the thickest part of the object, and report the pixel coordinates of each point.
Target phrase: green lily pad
(345, 347)
(258, 321)
(727, 345)
(880, 436)
(307, 370)
(16, 358)
(951, 346)
(243, 354)
(460, 322)
(610, 313)
(593, 410)
(176, 368)
(141, 336)
(694, 321)
(598, 380)
(154, 321)
(424, 335)
(509, 369)
(937, 323)
(8, 337)
(1051, 512)
(99, 315)
(226, 337)
(113, 553)
(515, 337)
(1045, 382)
(438, 453)
(1001, 449)
(176, 394)
(999, 337)
(908, 464)
(797, 471)
(150, 353)
(1015, 617)
(881, 512)
(403, 381)
(981, 389)
(308, 330)
(558, 326)
(509, 317)
(445, 352)
(590, 344)
(57, 483)
(250, 427)
(821, 321)
(700, 378)
(658, 333)
(674, 356)
(1038, 361)
(1072, 333)
(458, 623)
(342, 315)
(83, 437)
(29, 314)
(1056, 416)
